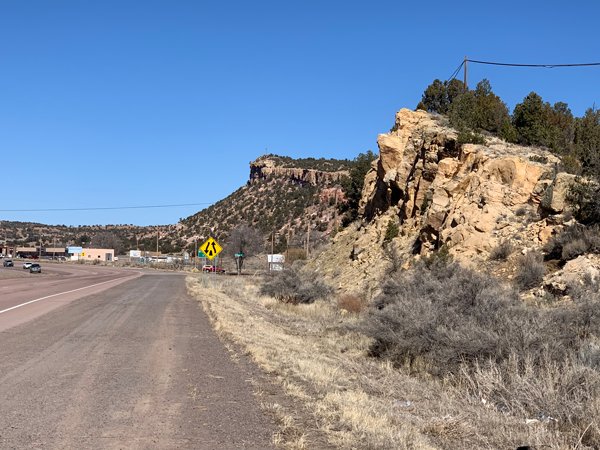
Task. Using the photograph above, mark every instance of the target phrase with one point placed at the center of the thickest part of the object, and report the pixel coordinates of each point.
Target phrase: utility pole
(53, 248)
(335, 225)
(137, 243)
(466, 88)
(287, 246)
(272, 247)
(308, 237)
(195, 251)
(157, 238)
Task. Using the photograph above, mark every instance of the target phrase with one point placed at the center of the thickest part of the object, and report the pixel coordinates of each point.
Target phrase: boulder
(574, 272)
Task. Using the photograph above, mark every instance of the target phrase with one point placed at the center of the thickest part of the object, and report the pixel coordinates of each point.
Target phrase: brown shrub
(573, 241)
(352, 303)
(502, 251)
(530, 271)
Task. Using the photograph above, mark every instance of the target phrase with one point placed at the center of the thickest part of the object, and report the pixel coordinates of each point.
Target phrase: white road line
(54, 295)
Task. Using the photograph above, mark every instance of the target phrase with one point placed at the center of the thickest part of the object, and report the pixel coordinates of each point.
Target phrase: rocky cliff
(265, 167)
(468, 197)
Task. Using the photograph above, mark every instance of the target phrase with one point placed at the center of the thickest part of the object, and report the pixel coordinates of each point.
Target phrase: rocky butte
(264, 167)
(467, 197)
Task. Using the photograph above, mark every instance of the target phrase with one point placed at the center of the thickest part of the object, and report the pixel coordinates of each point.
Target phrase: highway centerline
(55, 295)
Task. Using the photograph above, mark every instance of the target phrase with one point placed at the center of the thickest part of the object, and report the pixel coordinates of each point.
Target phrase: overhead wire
(546, 66)
(455, 73)
(105, 208)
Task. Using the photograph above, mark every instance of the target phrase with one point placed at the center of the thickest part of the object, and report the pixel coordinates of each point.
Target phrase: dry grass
(324, 367)
(352, 303)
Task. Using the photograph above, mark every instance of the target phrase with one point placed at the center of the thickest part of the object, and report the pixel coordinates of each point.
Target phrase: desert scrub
(294, 285)
(471, 331)
(521, 211)
(573, 241)
(321, 361)
(530, 270)
(502, 251)
(392, 231)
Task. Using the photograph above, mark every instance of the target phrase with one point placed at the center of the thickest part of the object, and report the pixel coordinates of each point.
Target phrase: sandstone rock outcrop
(468, 197)
(265, 166)
(585, 268)
(459, 195)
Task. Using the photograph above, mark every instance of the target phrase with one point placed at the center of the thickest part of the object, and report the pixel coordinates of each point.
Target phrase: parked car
(27, 265)
(35, 268)
(209, 268)
(8, 263)
(33, 257)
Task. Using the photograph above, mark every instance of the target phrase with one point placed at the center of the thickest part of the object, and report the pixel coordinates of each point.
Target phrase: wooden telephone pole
(287, 246)
(335, 218)
(307, 238)
(466, 88)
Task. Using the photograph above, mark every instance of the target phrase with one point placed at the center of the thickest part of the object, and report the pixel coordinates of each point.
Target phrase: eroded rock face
(469, 197)
(458, 195)
(263, 167)
(585, 268)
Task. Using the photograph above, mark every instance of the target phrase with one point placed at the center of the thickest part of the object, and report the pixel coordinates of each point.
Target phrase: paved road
(57, 285)
(136, 366)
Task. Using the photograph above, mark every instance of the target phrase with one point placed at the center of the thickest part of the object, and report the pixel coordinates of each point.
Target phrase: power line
(547, 66)
(105, 208)
(455, 73)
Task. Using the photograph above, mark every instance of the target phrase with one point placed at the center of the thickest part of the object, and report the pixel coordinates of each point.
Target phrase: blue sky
(119, 103)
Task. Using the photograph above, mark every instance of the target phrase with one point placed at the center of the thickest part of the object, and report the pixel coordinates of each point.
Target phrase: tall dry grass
(355, 399)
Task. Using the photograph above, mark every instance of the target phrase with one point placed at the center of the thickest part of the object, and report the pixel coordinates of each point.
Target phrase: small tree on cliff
(439, 95)
(353, 185)
(392, 231)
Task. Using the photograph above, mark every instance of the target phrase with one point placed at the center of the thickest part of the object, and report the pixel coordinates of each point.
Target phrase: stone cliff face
(468, 197)
(459, 195)
(264, 166)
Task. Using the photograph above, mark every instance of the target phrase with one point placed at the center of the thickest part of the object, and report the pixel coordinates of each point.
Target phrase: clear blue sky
(116, 103)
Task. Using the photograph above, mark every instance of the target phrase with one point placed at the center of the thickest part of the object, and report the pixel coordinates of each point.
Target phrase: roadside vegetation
(441, 357)
(532, 122)
(480, 112)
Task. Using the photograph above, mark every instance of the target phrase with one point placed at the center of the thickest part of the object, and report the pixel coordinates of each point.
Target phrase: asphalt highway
(102, 358)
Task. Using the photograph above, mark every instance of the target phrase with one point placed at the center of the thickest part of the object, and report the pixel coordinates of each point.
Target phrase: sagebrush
(294, 285)
(473, 331)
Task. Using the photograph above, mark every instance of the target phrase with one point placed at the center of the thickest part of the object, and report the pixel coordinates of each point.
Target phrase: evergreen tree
(392, 231)
(527, 119)
(439, 95)
(353, 185)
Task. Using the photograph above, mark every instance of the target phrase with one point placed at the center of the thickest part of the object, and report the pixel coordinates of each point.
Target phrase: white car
(27, 265)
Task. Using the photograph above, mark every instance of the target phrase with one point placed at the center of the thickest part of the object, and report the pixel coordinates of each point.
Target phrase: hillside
(282, 195)
(458, 311)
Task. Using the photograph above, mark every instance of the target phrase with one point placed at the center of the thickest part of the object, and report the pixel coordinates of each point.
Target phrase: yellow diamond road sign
(211, 248)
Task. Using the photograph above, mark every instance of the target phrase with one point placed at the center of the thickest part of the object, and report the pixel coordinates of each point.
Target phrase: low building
(91, 254)
(42, 251)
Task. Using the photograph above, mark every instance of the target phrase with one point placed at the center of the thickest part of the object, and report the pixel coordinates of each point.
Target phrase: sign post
(211, 249)
(237, 261)
(202, 264)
